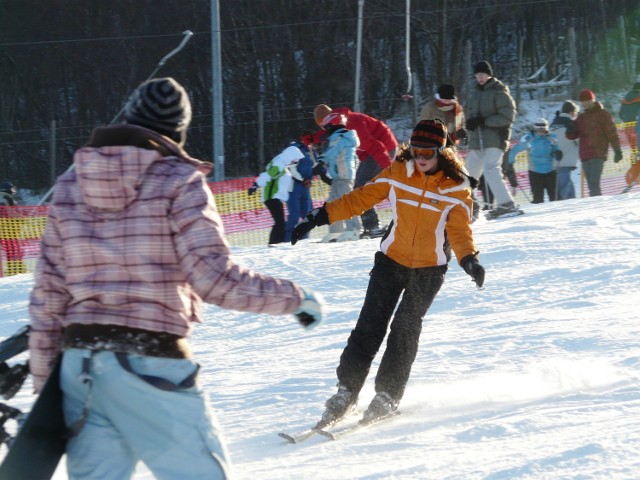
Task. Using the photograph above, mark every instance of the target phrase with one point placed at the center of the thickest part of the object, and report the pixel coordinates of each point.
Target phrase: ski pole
(186, 36)
(524, 193)
(629, 187)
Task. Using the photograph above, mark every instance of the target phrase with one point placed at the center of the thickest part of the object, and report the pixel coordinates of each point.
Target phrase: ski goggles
(427, 153)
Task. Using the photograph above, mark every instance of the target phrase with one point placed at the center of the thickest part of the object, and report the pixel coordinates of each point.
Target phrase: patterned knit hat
(429, 133)
(320, 112)
(160, 104)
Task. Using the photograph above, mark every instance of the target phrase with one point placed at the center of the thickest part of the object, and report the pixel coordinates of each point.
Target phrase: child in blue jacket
(340, 157)
(543, 149)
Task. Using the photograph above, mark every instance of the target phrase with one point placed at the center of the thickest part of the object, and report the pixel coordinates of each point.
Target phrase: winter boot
(381, 406)
(348, 236)
(373, 232)
(330, 237)
(508, 209)
(339, 405)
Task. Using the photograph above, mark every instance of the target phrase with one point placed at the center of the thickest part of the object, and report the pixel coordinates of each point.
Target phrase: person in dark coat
(490, 114)
(570, 150)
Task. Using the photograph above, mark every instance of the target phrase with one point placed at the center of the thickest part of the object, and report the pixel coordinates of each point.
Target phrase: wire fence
(247, 221)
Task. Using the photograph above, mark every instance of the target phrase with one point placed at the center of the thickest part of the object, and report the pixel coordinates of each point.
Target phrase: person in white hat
(543, 152)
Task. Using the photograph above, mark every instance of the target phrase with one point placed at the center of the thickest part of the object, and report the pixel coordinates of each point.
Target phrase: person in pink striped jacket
(133, 245)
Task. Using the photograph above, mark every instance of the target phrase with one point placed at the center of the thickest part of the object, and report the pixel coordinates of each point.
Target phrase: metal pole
(356, 96)
(52, 152)
(575, 69)
(261, 161)
(625, 49)
(407, 52)
(187, 34)
(216, 76)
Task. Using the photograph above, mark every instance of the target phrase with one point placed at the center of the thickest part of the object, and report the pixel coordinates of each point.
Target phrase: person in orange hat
(596, 131)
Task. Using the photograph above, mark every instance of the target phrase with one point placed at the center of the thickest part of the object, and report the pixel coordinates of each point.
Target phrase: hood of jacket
(110, 168)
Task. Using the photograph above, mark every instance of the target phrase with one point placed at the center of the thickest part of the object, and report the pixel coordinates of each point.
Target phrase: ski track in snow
(535, 377)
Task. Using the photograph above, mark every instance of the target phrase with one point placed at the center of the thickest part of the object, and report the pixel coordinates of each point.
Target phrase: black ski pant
(388, 283)
(277, 213)
(541, 182)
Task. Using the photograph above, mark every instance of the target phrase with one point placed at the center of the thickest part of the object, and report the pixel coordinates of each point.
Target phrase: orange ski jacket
(431, 214)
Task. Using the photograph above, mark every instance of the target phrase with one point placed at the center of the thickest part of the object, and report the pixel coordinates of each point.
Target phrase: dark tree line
(74, 62)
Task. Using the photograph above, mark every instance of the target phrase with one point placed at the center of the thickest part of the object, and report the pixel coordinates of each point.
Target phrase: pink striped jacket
(134, 239)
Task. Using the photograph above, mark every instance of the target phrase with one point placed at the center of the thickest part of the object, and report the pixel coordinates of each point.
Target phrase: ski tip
(287, 437)
(327, 434)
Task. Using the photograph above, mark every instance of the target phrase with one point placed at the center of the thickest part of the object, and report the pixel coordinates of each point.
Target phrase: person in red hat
(430, 194)
(595, 129)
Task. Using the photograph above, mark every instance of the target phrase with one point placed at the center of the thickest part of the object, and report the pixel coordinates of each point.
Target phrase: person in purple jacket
(133, 245)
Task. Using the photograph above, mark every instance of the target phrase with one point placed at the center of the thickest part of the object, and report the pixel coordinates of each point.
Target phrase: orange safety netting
(246, 220)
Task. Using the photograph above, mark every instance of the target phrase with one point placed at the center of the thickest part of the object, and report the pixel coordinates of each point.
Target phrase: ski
(309, 432)
(516, 213)
(356, 427)
(628, 188)
(300, 436)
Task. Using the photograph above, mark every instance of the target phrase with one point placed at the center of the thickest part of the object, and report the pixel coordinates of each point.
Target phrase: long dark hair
(448, 162)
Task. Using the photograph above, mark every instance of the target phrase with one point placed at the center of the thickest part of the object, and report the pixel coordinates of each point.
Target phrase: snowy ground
(536, 377)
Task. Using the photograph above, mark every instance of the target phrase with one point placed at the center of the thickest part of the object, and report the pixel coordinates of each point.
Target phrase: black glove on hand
(474, 122)
(315, 218)
(252, 189)
(557, 154)
(473, 268)
(617, 156)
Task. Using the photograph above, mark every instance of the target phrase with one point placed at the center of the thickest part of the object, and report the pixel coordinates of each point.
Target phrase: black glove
(473, 268)
(557, 154)
(617, 156)
(319, 168)
(252, 189)
(315, 218)
(571, 128)
(474, 122)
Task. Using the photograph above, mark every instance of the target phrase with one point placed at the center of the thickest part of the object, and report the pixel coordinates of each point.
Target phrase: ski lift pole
(407, 53)
(186, 36)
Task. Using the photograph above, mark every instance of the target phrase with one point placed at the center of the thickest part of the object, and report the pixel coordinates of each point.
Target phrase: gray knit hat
(160, 104)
